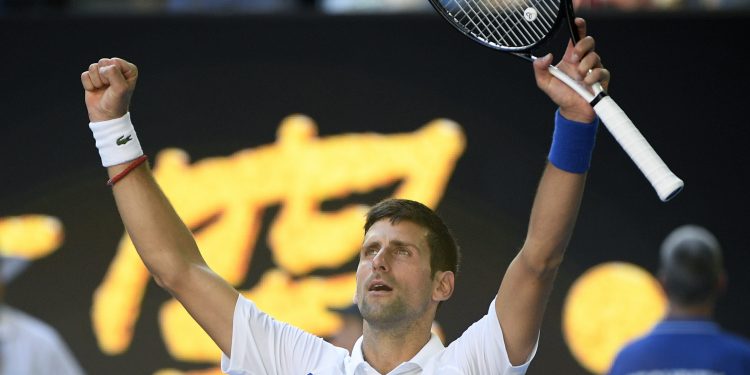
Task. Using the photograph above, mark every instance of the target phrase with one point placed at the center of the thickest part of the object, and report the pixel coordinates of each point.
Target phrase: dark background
(214, 85)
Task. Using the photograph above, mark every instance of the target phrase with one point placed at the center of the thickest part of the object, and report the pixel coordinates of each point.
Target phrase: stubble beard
(384, 314)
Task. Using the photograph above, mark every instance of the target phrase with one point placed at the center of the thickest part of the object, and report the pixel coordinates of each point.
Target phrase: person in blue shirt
(688, 341)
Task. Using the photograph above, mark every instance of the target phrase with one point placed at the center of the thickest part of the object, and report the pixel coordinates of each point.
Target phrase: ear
(662, 278)
(722, 283)
(443, 284)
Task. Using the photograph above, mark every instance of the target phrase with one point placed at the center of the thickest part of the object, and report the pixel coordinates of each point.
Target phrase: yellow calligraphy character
(222, 200)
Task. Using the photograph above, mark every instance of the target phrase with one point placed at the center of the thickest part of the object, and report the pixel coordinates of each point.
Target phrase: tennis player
(408, 259)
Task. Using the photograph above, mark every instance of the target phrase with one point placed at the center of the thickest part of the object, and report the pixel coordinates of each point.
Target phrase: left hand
(577, 62)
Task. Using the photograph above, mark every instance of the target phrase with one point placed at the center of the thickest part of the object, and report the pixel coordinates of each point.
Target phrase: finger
(600, 75)
(582, 48)
(86, 81)
(106, 62)
(572, 54)
(581, 25)
(128, 69)
(113, 76)
(94, 76)
(588, 63)
(605, 78)
(103, 63)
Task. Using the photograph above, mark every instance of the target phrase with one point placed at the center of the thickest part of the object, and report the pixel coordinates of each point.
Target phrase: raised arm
(162, 240)
(525, 288)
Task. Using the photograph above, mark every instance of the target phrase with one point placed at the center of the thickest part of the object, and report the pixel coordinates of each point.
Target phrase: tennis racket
(519, 27)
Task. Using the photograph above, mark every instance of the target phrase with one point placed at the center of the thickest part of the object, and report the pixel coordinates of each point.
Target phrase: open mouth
(379, 287)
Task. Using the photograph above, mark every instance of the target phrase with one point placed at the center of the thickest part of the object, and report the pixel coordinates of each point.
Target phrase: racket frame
(666, 184)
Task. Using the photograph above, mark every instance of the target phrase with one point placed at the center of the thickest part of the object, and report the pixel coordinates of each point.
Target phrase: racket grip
(666, 184)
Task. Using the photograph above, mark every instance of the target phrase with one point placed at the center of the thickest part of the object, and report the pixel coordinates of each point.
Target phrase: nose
(380, 261)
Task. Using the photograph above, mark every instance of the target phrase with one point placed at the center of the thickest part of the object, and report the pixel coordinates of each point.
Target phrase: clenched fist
(109, 84)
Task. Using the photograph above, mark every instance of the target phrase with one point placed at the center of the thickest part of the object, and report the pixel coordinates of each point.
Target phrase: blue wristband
(572, 144)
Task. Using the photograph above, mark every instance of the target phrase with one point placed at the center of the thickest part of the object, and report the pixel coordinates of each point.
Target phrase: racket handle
(666, 184)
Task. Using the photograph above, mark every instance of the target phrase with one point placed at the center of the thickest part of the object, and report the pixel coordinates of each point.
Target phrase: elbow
(543, 263)
(161, 281)
(169, 278)
(179, 280)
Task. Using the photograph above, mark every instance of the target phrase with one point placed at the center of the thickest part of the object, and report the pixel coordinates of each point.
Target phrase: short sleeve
(262, 345)
(481, 349)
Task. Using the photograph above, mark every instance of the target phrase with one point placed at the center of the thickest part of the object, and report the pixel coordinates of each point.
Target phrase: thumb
(541, 71)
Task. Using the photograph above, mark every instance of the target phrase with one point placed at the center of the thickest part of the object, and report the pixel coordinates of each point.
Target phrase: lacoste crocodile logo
(122, 140)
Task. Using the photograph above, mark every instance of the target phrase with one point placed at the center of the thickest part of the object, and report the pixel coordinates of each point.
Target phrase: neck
(385, 349)
(697, 311)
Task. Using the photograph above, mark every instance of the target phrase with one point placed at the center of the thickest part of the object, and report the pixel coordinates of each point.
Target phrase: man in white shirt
(408, 259)
(28, 345)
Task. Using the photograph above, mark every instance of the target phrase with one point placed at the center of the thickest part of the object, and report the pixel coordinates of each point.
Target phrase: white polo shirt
(261, 345)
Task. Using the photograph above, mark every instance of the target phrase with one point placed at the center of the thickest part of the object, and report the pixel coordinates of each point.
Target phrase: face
(394, 283)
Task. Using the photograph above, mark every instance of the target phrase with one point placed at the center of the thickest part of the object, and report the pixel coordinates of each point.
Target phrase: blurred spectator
(29, 346)
(372, 6)
(627, 5)
(227, 6)
(658, 5)
(351, 328)
(325, 6)
(688, 341)
(186, 6)
(117, 6)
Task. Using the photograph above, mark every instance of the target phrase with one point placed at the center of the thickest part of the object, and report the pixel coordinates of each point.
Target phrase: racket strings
(505, 23)
(534, 33)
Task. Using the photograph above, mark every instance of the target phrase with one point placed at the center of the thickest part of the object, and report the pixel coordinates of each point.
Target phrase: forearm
(161, 238)
(526, 286)
(553, 217)
(528, 281)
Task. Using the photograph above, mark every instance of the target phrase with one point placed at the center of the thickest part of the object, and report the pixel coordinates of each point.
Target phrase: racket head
(515, 26)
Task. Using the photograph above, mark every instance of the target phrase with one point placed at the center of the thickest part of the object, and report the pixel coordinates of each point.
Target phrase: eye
(402, 251)
(370, 251)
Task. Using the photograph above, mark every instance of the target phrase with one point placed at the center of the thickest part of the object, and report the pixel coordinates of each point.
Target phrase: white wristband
(116, 140)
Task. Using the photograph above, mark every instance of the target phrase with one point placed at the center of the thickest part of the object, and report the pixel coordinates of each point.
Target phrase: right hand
(581, 63)
(109, 85)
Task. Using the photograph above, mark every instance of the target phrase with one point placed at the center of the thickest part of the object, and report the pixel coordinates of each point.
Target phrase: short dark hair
(445, 254)
(691, 265)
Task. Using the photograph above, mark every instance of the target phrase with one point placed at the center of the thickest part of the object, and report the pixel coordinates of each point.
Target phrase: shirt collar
(432, 348)
(687, 326)
(357, 358)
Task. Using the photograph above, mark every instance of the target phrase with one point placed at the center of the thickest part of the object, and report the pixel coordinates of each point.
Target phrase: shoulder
(633, 355)
(263, 345)
(636, 348)
(28, 324)
(482, 347)
(32, 329)
(736, 343)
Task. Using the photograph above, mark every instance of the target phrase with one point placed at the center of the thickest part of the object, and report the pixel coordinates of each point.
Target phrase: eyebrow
(407, 244)
(392, 242)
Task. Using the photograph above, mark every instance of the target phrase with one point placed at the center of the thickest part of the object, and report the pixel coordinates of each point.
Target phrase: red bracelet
(133, 165)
